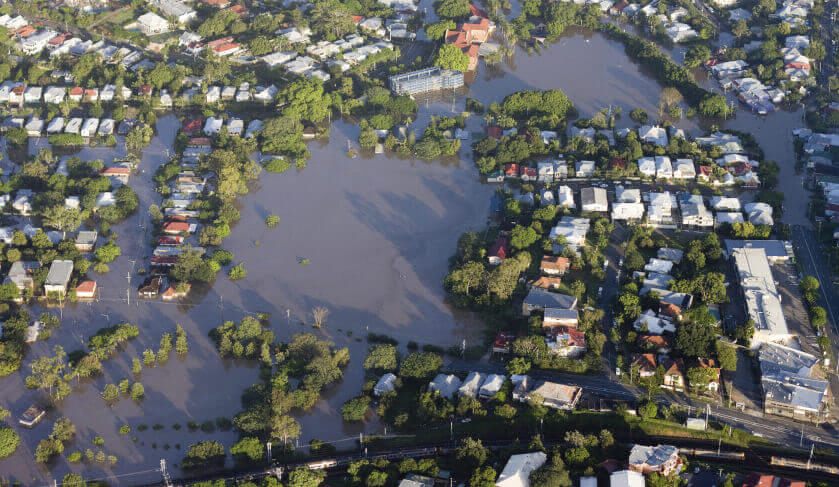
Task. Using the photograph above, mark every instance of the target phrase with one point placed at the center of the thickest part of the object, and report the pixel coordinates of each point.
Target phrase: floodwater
(377, 232)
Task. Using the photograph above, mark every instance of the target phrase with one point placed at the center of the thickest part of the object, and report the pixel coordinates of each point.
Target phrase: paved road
(780, 430)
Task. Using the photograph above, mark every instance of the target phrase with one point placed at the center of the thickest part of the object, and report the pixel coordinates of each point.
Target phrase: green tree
(248, 449)
(271, 221)
(9, 441)
(726, 355)
(48, 374)
(382, 358)
(304, 477)
(471, 453)
(648, 410)
(696, 55)
(355, 409)
(305, 99)
(483, 477)
(523, 237)
(452, 9)
(694, 340)
(420, 365)
(436, 31)
(715, 106)
(204, 453)
(552, 474)
(518, 366)
(450, 56)
(62, 218)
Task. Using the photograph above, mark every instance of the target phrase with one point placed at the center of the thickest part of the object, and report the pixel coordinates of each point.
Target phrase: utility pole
(128, 289)
(812, 447)
(268, 450)
(707, 413)
(801, 440)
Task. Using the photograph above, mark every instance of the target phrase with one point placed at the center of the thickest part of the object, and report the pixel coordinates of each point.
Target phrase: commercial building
(761, 298)
(789, 386)
(426, 80)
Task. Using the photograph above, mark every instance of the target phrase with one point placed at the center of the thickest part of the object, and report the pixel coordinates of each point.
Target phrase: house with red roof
(528, 173)
(192, 125)
(470, 35)
(566, 341)
(674, 376)
(76, 93)
(499, 251)
(503, 342)
(86, 290)
(646, 364)
(511, 170)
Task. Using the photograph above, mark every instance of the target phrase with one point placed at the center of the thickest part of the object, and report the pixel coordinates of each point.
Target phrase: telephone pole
(128, 289)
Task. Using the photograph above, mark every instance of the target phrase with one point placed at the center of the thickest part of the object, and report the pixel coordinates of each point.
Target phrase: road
(606, 386)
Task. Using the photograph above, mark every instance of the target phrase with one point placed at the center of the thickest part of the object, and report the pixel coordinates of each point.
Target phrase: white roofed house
(584, 169)
(471, 385)
(265, 94)
(594, 200)
(646, 167)
(152, 24)
(176, 9)
(386, 383)
(694, 212)
(56, 125)
(654, 135)
(663, 168)
(33, 94)
(73, 125)
(89, 127)
(235, 126)
(627, 211)
(106, 127)
(545, 171)
(565, 197)
(34, 126)
(649, 322)
(446, 385)
(759, 213)
(213, 125)
(660, 210)
(547, 197)
(213, 94)
(36, 43)
(722, 203)
(517, 471)
(491, 386)
(58, 277)
(54, 94)
(626, 478)
(684, 169)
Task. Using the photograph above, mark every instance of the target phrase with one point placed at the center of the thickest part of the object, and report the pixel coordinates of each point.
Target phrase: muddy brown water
(377, 232)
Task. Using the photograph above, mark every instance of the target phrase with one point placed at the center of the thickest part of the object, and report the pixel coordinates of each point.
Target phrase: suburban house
(567, 341)
(86, 240)
(594, 200)
(58, 278)
(517, 471)
(646, 365)
(554, 265)
(554, 395)
(674, 377)
(21, 274)
(709, 363)
(152, 24)
(446, 385)
(499, 251)
(555, 317)
(662, 459)
(471, 384)
(547, 282)
(626, 478)
(86, 290)
(539, 299)
(386, 383)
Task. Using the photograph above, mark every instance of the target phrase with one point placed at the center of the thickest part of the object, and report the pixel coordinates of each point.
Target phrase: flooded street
(377, 231)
